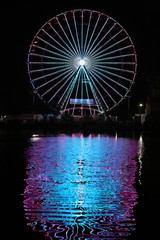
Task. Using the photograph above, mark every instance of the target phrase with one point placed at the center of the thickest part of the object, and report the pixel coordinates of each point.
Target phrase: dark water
(76, 186)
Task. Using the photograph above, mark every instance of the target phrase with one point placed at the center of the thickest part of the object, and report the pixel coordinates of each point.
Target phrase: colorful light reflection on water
(81, 187)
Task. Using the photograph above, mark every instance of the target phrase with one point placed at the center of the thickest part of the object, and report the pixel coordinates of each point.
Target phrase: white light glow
(82, 62)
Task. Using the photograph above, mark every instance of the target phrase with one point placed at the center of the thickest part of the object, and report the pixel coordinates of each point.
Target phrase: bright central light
(82, 62)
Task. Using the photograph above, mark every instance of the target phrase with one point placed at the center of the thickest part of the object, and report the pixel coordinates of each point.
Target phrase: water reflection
(81, 187)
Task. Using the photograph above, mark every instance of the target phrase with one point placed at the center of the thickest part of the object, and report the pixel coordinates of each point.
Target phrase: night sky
(20, 22)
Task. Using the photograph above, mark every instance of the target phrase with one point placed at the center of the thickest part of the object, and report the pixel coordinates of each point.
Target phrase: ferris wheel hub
(82, 62)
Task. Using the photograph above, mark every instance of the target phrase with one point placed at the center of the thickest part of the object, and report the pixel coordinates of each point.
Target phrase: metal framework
(79, 55)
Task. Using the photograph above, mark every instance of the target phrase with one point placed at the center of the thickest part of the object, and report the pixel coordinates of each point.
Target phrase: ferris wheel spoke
(48, 63)
(64, 42)
(102, 46)
(71, 88)
(48, 69)
(88, 27)
(105, 36)
(86, 87)
(68, 87)
(59, 36)
(57, 42)
(95, 97)
(69, 74)
(42, 48)
(81, 89)
(78, 82)
(92, 82)
(51, 88)
(114, 74)
(88, 45)
(75, 45)
(58, 49)
(115, 68)
(60, 60)
(117, 63)
(75, 26)
(69, 41)
(109, 53)
(108, 78)
(82, 34)
(54, 79)
(51, 52)
(91, 49)
(116, 43)
(48, 75)
(93, 91)
(114, 57)
(109, 95)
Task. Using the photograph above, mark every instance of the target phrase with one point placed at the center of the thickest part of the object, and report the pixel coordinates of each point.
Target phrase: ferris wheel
(82, 62)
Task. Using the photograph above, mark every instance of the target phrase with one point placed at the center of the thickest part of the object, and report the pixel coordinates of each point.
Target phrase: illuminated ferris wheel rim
(79, 51)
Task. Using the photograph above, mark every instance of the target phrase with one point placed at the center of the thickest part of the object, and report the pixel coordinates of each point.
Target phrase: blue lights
(82, 101)
(82, 62)
(83, 184)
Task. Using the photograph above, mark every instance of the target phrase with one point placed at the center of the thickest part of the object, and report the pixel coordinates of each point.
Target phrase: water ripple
(81, 187)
